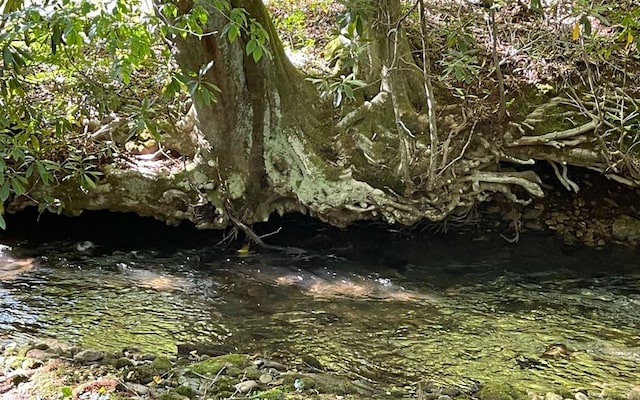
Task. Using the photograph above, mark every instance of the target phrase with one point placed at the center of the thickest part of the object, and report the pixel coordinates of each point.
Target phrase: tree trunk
(275, 147)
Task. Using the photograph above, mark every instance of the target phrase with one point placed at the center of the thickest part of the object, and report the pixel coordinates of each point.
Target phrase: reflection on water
(453, 311)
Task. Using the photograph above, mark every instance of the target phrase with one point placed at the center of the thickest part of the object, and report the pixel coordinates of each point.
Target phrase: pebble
(246, 386)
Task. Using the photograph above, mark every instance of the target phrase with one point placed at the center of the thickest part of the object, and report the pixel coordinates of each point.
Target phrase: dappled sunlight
(12, 266)
(357, 287)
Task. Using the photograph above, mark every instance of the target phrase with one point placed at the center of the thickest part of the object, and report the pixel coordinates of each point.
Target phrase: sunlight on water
(454, 312)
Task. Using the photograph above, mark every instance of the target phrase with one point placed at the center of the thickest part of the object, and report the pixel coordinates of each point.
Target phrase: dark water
(388, 308)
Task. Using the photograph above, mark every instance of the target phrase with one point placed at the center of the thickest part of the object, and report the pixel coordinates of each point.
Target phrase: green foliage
(66, 63)
(338, 88)
(462, 66)
(355, 16)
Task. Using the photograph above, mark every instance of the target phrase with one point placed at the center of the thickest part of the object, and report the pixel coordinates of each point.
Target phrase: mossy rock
(172, 395)
(212, 366)
(186, 391)
(500, 391)
(144, 374)
(161, 364)
(252, 372)
(272, 394)
(122, 362)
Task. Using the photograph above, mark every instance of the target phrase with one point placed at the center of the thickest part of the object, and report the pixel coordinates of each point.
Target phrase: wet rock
(88, 356)
(626, 227)
(246, 386)
(212, 350)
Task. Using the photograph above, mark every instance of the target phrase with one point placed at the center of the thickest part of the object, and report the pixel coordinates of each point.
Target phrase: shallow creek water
(391, 310)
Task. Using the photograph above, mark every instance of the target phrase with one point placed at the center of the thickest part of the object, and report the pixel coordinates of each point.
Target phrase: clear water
(389, 309)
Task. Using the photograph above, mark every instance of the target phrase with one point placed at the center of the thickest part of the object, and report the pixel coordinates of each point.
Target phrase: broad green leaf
(5, 190)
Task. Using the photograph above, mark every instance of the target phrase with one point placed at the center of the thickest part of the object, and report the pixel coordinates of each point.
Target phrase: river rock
(262, 363)
(552, 396)
(246, 386)
(137, 388)
(161, 364)
(266, 378)
(634, 394)
(40, 354)
(88, 356)
(626, 227)
(123, 362)
(580, 396)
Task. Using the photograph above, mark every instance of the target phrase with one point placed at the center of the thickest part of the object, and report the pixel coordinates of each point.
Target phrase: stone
(580, 396)
(262, 363)
(634, 393)
(161, 364)
(626, 227)
(552, 396)
(266, 378)
(246, 386)
(312, 362)
(41, 355)
(88, 356)
(123, 362)
(137, 388)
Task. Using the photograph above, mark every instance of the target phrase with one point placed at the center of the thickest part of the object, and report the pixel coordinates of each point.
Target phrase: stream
(387, 308)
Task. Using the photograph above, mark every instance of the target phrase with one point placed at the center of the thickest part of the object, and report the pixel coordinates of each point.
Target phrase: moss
(186, 391)
(500, 391)
(213, 365)
(161, 364)
(272, 394)
(171, 395)
(252, 372)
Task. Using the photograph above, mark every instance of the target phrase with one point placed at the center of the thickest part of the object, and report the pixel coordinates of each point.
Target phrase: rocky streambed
(51, 369)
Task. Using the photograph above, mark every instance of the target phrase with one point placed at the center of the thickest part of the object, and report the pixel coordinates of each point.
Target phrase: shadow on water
(388, 307)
